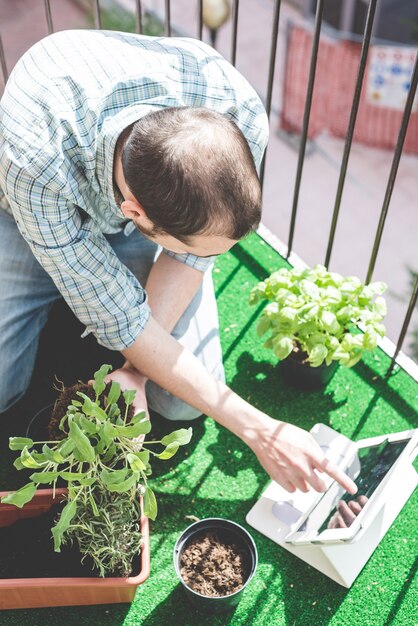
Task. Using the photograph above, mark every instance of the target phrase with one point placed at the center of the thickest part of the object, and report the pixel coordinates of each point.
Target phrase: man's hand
(347, 512)
(292, 457)
(289, 454)
(130, 378)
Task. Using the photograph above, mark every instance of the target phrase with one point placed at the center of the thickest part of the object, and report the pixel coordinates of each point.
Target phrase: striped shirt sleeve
(101, 291)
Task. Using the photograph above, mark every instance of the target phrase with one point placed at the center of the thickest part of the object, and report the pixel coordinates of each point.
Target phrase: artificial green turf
(219, 476)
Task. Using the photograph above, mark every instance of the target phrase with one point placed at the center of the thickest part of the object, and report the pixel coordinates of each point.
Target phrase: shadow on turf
(382, 391)
(401, 595)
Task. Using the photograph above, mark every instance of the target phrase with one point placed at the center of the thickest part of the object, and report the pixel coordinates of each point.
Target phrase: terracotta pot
(27, 593)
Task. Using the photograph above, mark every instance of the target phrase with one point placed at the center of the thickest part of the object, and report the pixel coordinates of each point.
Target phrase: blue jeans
(27, 294)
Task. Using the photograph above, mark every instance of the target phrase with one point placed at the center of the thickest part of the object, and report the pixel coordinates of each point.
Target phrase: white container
(381, 465)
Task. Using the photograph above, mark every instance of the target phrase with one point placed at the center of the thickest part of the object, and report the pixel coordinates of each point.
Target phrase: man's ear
(133, 210)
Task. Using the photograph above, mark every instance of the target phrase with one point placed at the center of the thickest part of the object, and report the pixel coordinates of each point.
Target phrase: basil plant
(104, 461)
(317, 312)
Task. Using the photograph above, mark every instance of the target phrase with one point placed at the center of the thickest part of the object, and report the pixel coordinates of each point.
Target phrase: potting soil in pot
(214, 564)
(27, 551)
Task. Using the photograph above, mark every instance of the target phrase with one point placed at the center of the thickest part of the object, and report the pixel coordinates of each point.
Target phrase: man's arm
(289, 454)
(171, 286)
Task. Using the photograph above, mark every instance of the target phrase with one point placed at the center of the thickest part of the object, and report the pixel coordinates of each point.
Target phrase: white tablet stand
(339, 553)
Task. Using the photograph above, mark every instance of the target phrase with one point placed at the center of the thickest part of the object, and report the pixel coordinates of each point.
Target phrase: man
(111, 145)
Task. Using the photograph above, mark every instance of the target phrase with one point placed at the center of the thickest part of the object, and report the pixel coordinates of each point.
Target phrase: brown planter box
(28, 593)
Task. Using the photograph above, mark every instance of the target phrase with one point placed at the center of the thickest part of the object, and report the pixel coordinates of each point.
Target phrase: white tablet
(337, 516)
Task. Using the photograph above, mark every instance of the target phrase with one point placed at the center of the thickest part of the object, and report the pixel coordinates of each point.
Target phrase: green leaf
(257, 293)
(332, 295)
(18, 443)
(28, 460)
(131, 431)
(87, 425)
(288, 320)
(44, 478)
(71, 476)
(114, 393)
(124, 485)
(282, 346)
(144, 456)
(370, 339)
(17, 463)
(170, 451)
(20, 497)
(54, 456)
(87, 482)
(378, 287)
(129, 396)
(63, 524)
(180, 437)
(63, 419)
(99, 385)
(110, 477)
(310, 289)
(83, 445)
(90, 408)
(113, 412)
(150, 504)
(139, 417)
(263, 325)
(379, 307)
(110, 453)
(66, 448)
(108, 433)
(329, 322)
(137, 465)
(94, 506)
(317, 355)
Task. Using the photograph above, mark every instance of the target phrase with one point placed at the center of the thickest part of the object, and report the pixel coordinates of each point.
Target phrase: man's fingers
(315, 482)
(346, 513)
(332, 470)
(355, 506)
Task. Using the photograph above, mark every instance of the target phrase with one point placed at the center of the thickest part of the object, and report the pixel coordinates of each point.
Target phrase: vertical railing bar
(3, 62)
(394, 169)
(405, 325)
(138, 17)
(272, 66)
(48, 17)
(235, 8)
(306, 116)
(167, 18)
(200, 19)
(97, 19)
(351, 124)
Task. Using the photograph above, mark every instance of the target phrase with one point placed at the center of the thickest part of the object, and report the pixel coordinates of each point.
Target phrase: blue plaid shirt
(65, 105)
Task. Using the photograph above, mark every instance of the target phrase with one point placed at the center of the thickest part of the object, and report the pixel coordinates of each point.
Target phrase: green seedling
(105, 462)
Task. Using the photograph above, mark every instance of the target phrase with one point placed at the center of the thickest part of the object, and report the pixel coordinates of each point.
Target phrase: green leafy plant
(316, 312)
(105, 464)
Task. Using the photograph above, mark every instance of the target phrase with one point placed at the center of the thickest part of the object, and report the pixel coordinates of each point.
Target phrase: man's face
(199, 245)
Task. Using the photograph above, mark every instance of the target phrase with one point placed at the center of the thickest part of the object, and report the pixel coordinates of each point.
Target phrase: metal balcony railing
(96, 10)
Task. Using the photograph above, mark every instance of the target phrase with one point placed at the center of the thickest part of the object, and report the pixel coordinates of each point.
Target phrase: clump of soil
(70, 393)
(27, 551)
(215, 564)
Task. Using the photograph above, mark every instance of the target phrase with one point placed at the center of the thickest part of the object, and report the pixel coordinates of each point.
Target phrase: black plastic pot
(304, 376)
(37, 428)
(209, 603)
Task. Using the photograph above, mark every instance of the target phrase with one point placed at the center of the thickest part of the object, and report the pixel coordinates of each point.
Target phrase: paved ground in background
(22, 23)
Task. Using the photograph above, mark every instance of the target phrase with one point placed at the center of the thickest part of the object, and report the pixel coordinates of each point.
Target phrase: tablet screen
(368, 469)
